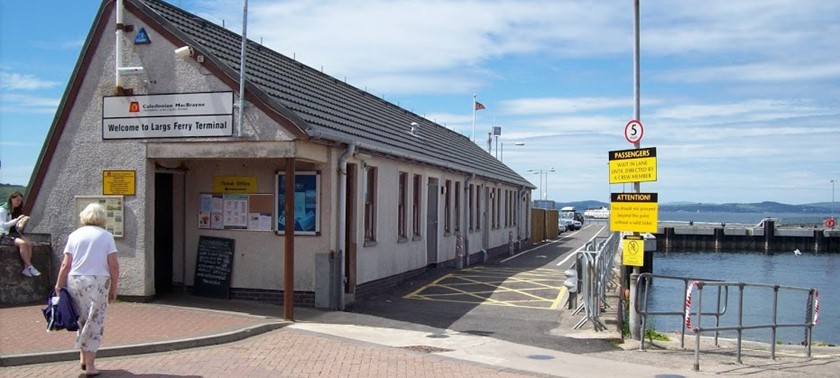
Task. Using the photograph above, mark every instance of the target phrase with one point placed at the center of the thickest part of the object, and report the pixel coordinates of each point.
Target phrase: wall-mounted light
(128, 71)
(183, 52)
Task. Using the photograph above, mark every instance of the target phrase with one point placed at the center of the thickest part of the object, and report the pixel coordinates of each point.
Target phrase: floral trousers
(90, 296)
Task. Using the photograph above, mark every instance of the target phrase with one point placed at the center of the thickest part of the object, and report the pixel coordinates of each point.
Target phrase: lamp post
(544, 194)
(833, 209)
(503, 149)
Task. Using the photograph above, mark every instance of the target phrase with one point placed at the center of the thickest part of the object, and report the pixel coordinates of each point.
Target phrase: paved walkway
(191, 336)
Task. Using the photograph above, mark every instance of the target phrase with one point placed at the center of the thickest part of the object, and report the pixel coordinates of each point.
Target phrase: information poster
(252, 212)
(236, 211)
(306, 218)
(113, 211)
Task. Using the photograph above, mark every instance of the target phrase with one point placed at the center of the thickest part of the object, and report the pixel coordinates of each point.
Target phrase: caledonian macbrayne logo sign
(636, 165)
(634, 212)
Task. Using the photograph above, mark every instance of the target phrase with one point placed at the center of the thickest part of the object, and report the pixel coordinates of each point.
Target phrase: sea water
(808, 270)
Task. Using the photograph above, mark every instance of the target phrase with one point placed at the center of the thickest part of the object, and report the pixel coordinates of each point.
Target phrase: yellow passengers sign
(634, 212)
(634, 165)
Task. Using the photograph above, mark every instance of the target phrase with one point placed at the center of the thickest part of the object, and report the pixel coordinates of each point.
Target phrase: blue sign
(142, 38)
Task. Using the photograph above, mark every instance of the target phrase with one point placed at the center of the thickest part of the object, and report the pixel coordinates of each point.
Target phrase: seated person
(11, 215)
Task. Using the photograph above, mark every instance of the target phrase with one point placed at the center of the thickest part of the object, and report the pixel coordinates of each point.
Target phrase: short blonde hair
(93, 215)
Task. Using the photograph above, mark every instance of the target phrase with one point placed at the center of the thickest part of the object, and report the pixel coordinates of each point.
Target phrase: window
(478, 217)
(493, 209)
(401, 206)
(471, 208)
(370, 204)
(498, 209)
(415, 206)
(457, 206)
(447, 208)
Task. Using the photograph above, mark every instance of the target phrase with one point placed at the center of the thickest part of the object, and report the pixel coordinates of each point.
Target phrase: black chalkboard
(213, 266)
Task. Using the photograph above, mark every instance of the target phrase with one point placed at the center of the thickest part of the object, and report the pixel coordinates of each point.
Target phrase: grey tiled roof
(328, 108)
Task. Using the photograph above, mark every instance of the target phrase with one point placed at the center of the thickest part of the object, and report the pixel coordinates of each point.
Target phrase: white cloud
(16, 81)
(14, 103)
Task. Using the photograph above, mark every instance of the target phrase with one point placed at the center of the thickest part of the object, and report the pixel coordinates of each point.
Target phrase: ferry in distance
(597, 213)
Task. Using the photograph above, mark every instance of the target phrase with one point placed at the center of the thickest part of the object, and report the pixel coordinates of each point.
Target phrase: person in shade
(11, 222)
(90, 270)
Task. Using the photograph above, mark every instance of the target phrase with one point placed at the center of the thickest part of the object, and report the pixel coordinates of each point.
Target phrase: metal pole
(635, 323)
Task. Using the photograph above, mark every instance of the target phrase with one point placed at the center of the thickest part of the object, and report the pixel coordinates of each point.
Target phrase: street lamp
(833, 209)
(503, 149)
(543, 195)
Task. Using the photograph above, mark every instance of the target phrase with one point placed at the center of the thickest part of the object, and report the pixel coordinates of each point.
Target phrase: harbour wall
(766, 238)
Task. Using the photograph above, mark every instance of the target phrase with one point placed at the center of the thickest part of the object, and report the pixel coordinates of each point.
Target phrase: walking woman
(11, 218)
(91, 271)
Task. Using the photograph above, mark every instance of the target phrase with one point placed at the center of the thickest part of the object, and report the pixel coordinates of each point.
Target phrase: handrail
(811, 315)
(642, 309)
(811, 311)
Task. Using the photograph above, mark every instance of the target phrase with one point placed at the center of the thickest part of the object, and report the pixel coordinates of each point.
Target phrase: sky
(741, 99)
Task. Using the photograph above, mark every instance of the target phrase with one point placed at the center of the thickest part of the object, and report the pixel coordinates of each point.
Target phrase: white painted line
(581, 247)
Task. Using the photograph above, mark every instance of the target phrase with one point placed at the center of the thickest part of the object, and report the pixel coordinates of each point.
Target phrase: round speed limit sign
(634, 131)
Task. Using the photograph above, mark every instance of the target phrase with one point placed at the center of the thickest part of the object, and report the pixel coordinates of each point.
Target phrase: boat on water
(597, 212)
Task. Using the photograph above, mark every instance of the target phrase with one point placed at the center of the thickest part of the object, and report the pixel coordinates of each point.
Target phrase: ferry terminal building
(150, 126)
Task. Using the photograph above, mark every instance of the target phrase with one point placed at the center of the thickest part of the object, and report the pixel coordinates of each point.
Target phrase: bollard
(510, 243)
(459, 251)
(635, 319)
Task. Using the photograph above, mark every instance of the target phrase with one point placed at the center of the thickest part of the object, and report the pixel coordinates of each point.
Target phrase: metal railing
(595, 268)
(722, 293)
(641, 305)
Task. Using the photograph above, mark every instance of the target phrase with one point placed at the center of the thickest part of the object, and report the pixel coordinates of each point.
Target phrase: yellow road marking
(496, 281)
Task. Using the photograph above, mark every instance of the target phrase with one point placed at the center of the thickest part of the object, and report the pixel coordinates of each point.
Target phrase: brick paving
(280, 353)
(23, 329)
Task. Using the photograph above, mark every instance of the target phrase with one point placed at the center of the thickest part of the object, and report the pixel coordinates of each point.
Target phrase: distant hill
(7, 189)
(759, 207)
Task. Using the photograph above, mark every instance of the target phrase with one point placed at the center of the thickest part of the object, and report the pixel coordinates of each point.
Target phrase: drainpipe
(342, 218)
(466, 218)
(242, 68)
(118, 55)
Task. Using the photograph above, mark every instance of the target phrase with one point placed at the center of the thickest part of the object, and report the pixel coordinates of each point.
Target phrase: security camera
(183, 52)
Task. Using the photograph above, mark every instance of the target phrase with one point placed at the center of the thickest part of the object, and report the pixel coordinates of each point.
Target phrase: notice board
(213, 266)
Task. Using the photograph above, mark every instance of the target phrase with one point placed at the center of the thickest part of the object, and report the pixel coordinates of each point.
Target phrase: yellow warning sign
(633, 251)
(634, 212)
(635, 165)
(118, 182)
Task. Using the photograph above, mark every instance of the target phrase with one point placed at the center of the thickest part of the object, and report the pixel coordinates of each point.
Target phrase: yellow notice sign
(118, 182)
(633, 251)
(634, 212)
(635, 165)
(235, 184)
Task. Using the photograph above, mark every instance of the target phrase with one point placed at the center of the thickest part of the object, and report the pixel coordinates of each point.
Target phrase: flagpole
(473, 129)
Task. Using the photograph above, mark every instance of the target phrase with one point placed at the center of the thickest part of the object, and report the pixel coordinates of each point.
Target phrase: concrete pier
(766, 237)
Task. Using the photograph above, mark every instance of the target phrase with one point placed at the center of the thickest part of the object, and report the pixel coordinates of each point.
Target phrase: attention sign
(634, 165)
(118, 182)
(634, 212)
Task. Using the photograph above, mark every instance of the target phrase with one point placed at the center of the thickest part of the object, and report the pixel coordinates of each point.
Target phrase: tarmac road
(513, 299)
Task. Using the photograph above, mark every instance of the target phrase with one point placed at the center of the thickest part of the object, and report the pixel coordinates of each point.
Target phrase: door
(163, 232)
(432, 222)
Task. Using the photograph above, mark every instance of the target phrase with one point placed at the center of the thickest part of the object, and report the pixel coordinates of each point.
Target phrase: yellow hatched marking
(498, 278)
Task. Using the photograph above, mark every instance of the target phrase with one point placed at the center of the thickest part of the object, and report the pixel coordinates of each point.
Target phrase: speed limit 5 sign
(634, 131)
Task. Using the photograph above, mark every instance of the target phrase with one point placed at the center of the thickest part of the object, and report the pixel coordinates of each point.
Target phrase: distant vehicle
(561, 228)
(597, 213)
(570, 218)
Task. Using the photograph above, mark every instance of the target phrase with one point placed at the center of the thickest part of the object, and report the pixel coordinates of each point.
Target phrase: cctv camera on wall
(183, 52)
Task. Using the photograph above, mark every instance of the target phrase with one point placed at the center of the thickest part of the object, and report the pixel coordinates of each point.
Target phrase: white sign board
(182, 115)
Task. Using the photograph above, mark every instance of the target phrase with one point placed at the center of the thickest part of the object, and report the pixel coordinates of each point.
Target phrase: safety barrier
(594, 265)
(643, 284)
(811, 311)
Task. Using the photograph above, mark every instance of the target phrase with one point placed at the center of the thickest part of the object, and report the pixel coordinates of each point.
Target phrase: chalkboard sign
(213, 266)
